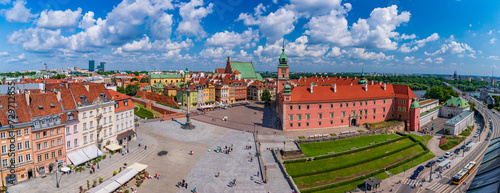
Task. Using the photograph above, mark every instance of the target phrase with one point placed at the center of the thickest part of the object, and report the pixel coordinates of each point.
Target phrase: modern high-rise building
(45, 66)
(102, 67)
(91, 65)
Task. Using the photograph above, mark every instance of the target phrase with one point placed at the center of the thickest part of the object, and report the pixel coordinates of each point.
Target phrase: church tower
(282, 70)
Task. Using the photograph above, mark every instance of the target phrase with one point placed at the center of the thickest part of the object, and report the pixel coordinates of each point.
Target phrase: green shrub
(295, 161)
(302, 137)
(333, 134)
(138, 185)
(361, 131)
(126, 191)
(100, 179)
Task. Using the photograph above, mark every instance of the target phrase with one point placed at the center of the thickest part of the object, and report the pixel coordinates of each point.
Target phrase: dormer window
(52, 106)
(103, 96)
(40, 107)
(1, 107)
(71, 116)
(125, 103)
(12, 116)
(83, 99)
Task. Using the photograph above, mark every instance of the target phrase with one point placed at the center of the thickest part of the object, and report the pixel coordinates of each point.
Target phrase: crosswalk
(411, 182)
(436, 187)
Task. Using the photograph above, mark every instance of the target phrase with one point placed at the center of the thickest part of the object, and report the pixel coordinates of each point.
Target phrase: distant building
(460, 122)
(91, 65)
(77, 67)
(102, 67)
(45, 66)
(453, 107)
(493, 81)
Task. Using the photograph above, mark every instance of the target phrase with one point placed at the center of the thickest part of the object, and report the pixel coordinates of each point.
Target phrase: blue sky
(421, 36)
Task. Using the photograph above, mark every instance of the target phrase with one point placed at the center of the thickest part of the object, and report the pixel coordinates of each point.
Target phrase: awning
(125, 176)
(78, 157)
(107, 187)
(92, 151)
(97, 190)
(113, 147)
(138, 167)
(446, 162)
(206, 107)
(125, 134)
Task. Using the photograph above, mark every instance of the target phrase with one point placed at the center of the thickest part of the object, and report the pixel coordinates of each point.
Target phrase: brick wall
(157, 97)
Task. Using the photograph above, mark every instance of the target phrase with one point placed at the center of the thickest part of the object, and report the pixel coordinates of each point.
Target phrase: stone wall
(398, 127)
(157, 97)
(165, 112)
(429, 117)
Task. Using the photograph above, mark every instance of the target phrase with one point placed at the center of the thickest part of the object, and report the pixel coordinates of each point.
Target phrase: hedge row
(360, 149)
(295, 161)
(330, 186)
(355, 163)
(414, 140)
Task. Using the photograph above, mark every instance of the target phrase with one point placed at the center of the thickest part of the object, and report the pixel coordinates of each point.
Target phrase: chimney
(86, 87)
(335, 87)
(27, 96)
(385, 86)
(366, 87)
(372, 82)
(351, 83)
(58, 95)
(311, 87)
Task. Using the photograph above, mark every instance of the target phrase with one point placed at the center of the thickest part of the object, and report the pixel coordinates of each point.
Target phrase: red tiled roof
(67, 100)
(22, 110)
(93, 93)
(221, 70)
(344, 92)
(118, 96)
(44, 100)
(403, 91)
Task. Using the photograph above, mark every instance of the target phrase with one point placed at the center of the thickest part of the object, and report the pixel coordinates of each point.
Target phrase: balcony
(98, 116)
(99, 141)
(99, 127)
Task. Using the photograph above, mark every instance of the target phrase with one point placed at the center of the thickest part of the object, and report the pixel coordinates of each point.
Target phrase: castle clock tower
(282, 70)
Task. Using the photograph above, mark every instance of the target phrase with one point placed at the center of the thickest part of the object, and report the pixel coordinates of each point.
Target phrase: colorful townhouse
(15, 129)
(124, 118)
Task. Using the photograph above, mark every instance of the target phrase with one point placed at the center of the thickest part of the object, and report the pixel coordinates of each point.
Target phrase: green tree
(131, 89)
(120, 90)
(58, 76)
(144, 80)
(472, 105)
(134, 79)
(266, 96)
(435, 92)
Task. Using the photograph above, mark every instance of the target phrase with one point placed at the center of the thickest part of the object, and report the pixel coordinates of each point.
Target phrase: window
(116, 105)
(319, 106)
(308, 116)
(307, 106)
(110, 120)
(374, 102)
(331, 114)
(399, 109)
(290, 117)
(343, 113)
(298, 124)
(125, 103)
(291, 107)
(28, 157)
(91, 112)
(53, 154)
(4, 163)
(97, 112)
(91, 124)
(331, 122)
(353, 112)
(68, 131)
(26, 144)
(68, 144)
(105, 134)
(384, 101)
(84, 139)
(59, 141)
(91, 137)
(354, 104)
(75, 143)
(84, 115)
(373, 116)
(340, 104)
(19, 145)
(51, 132)
(366, 111)
(360, 112)
(404, 109)
(404, 102)
(11, 134)
(4, 149)
(366, 102)
(52, 143)
(59, 152)
(104, 110)
(374, 110)
(291, 124)
(110, 132)
(109, 109)
(104, 120)
(117, 117)
(341, 120)
(319, 122)
(20, 159)
(320, 115)
(45, 145)
(392, 108)
(360, 103)
(2, 135)
(299, 107)
(75, 129)
(331, 105)
(346, 104)
(39, 158)
(383, 116)
(19, 133)
(299, 117)
(399, 101)
(46, 156)
(383, 109)
(38, 146)
(58, 130)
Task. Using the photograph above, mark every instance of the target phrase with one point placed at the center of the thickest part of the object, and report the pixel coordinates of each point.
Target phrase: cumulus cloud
(19, 58)
(4, 53)
(191, 14)
(145, 45)
(59, 19)
(406, 37)
(493, 58)
(315, 7)
(431, 38)
(215, 53)
(453, 47)
(161, 27)
(273, 26)
(231, 39)
(438, 60)
(334, 52)
(87, 20)
(361, 53)
(493, 40)
(4, 2)
(406, 47)
(18, 13)
(411, 59)
(374, 32)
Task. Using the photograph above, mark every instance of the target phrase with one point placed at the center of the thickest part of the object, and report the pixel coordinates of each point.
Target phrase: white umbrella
(65, 169)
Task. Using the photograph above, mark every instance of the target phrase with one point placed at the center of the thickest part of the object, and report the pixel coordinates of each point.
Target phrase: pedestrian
(186, 185)
(145, 147)
(132, 188)
(258, 173)
(218, 174)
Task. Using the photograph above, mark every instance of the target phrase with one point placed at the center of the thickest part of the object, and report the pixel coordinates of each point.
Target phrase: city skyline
(335, 36)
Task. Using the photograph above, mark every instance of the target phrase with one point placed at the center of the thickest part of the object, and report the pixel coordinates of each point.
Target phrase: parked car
(414, 176)
(420, 168)
(430, 163)
(468, 143)
(463, 147)
(440, 159)
(448, 154)
(476, 135)
(457, 151)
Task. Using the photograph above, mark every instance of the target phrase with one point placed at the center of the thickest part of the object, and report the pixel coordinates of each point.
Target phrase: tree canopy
(441, 93)
(131, 89)
(144, 80)
(266, 96)
(58, 76)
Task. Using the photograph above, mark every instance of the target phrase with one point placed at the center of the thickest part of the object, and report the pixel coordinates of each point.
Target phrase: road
(444, 184)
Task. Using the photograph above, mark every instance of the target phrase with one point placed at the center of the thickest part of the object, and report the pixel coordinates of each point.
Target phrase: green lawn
(155, 113)
(424, 139)
(168, 105)
(452, 142)
(143, 113)
(321, 148)
(301, 168)
(355, 171)
(420, 160)
(353, 185)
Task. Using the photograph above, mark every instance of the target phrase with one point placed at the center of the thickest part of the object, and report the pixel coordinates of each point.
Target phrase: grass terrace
(322, 148)
(425, 139)
(451, 142)
(142, 112)
(383, 124)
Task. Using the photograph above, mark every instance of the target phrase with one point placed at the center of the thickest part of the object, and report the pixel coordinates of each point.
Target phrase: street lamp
(128, 138)
(57, 181)
(97, 152)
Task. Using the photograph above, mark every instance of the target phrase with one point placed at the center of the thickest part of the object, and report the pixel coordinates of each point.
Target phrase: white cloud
(145, 45)
(301, 48)
(228, 39)
(191, 14)
(374, 32)
(315, 7)
(360, 53)
(431, 38)
(490, 32)
(38, 39)
(19, 58)
(411, 59)
(493, 40)
(428, 60)
(493, 58)
(406, 37)
(4, 2)
(87, 20)
(4, 53)
(334, 52)
(142, 45)
(275, 1)
(59, 19)
(161, 27)
(453, 47)
(406, 48)
(438, 60)
(18, 13)
(273, 26)
(215, 53)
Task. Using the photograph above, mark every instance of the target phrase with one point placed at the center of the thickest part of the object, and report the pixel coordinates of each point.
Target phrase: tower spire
(283, 44)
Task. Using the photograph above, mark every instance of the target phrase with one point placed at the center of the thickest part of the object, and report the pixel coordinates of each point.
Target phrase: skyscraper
(102, 67)
(91, 65)
(45, 66)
